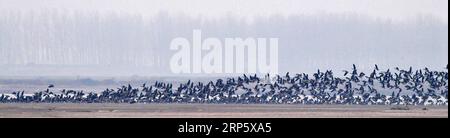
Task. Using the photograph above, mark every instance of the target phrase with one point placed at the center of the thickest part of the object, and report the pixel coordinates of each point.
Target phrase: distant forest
(307, 42)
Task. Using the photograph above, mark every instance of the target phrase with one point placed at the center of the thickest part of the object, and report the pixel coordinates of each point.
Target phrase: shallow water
(215, 111)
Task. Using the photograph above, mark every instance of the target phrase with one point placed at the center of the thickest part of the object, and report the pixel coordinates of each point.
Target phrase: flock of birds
(396, 87)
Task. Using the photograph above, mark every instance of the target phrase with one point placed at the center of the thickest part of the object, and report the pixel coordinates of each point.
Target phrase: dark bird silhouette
(51, 86)
(345, 72)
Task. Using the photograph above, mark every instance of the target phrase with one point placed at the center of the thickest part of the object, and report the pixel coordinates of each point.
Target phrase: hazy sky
(318, 41)
(394, 9)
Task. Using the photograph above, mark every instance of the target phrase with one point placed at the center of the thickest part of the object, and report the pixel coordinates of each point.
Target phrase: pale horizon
(85, 37)
(395, 10)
